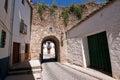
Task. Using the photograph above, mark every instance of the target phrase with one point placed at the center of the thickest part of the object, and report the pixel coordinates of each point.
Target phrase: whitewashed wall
(5, 24)
(21, 12)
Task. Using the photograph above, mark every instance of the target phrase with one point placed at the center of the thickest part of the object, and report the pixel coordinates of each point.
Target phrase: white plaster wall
(21, 12)
(5, 24)
(107, 20)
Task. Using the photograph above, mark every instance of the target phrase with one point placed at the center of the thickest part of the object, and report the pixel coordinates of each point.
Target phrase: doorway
(27, 47)
(50, 49)
(16, 48)
(99, 52)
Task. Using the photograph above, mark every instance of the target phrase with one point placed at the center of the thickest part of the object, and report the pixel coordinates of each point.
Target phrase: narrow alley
(59, 39)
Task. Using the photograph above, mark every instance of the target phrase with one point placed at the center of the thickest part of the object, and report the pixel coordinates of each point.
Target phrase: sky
(63, 2)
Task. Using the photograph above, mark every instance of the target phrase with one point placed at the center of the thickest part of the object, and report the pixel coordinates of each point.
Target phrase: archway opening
(50, 49)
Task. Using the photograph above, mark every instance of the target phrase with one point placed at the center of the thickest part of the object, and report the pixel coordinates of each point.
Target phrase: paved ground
(58, 71)
(51, 70)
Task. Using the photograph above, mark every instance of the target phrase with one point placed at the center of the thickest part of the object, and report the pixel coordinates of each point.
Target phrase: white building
(95, 42)
(21, 31)
(6, 9)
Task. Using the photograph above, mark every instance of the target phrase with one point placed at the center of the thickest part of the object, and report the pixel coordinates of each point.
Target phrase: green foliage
(65, 16)
(76, 10)
(52, 8)
(105, 3)
(41, 8)
(54, 5)
(72, 8)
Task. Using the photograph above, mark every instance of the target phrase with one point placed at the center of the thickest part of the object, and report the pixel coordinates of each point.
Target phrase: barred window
(6, 5)
(23, 2)
(23, 27)
(2, 39)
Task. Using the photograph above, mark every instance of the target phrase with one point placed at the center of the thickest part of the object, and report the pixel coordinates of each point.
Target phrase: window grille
(3, 39)
(6, 5)
(23, 27)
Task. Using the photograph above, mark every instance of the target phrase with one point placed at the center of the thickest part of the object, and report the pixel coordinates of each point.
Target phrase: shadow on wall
(4, 64)
(49, 60)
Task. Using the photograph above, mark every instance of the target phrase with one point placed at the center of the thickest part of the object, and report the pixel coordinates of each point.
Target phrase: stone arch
(56, 41)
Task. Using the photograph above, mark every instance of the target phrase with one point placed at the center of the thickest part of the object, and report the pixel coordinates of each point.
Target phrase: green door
(99, 53)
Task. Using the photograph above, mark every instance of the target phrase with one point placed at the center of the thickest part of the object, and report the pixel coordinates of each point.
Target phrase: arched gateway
(48, 40)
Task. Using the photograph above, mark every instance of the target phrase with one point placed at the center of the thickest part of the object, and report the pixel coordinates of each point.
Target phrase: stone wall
(88, 9)
(42, 28)
(75, 51)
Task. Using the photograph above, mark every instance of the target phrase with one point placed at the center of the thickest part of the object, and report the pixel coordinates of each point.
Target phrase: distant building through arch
(45, 50)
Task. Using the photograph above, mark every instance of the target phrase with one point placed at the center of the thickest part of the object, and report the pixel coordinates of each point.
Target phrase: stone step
(25, 68)
(19, 71)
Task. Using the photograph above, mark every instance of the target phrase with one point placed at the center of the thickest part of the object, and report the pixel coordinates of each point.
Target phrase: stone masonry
(53, 26)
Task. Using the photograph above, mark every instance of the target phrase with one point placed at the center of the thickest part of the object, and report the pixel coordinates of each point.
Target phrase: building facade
(21, 31)
(6, 8)
(95, 42)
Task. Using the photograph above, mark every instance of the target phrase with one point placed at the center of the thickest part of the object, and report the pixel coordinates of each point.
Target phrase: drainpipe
(31, 11)
(11, 36)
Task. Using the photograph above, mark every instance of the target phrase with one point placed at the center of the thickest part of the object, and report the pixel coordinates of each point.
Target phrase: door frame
(107, 43)
(27, 46)
(18, 54)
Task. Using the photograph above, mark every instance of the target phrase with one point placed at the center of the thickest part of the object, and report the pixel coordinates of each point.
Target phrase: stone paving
(58, 71)
(52, 70)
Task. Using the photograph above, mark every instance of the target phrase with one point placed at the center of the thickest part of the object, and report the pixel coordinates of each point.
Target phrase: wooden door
(27, 46)
(16, 47)
(99, 53)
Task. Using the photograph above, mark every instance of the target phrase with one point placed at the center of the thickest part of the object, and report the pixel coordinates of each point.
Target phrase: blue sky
(63, 2)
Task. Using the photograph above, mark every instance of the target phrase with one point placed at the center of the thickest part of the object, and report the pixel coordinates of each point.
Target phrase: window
(23, 2)
(23, 27)
(6, 5)
(2, 39)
